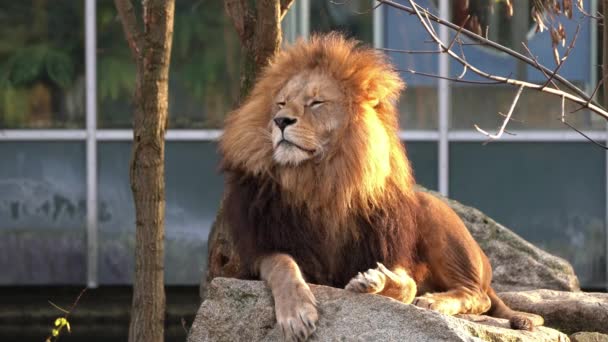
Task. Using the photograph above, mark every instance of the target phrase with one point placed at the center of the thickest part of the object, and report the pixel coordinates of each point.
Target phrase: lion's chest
(327, 254)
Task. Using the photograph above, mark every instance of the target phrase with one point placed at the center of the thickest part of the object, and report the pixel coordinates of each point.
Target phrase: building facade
(66, 79)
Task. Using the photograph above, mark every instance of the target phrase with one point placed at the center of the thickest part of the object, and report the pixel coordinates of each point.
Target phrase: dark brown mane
(263, 223)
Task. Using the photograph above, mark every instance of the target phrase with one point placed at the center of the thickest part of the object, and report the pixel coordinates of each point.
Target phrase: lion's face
(306, 113)
(321, 124)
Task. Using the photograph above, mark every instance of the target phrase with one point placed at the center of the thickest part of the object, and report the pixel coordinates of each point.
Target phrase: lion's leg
(396, 284)
(460, 300)
(294, 303)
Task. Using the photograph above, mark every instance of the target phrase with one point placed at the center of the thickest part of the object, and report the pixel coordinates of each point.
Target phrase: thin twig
(511, 118)
(563, 109)
(58, 307)
(580, 94)
(506, 120)
(585, 135)
(563, 59)
(464, 67)
(597, 87)
(459, 80)
(580, 100)
(410, 51)
(458, 32)
(133, 32)
(563, 120)
(538, 64)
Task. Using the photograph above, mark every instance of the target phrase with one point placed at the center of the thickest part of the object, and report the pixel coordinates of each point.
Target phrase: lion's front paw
(446, 306)
(372, 281)
(296, 312)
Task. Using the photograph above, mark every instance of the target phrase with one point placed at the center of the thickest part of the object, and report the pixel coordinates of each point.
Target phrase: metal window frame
(444, 106)
(91, 135)
(91, 141)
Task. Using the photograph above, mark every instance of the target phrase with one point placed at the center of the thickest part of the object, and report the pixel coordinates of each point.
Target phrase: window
(423, 156)
(193, 194)
(418, 107)
(42, 64)
(481, 104)
(204, 74)
(353, 18)
(42, 213)
(552, 194)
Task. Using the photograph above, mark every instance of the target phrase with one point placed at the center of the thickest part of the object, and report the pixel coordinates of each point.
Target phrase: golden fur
(319, 188)
(369, 153)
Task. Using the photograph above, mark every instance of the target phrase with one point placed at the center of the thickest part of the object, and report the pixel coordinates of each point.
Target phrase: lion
(319, 189)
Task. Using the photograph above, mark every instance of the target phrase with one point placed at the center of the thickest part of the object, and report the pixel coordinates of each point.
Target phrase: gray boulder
(517, 264)
(568, 312)
(238, 310)
(588, 337)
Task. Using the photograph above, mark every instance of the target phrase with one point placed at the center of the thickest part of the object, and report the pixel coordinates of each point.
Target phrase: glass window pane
(353, 18)
(418, 106)
(481, 104)
(42, 213)
(204, 74)
(194, 190)
(552, 194)
(42, 82)
(423, 157)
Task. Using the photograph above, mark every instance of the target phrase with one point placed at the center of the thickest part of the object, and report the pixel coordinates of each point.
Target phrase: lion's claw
(297, 314)
(372, 281)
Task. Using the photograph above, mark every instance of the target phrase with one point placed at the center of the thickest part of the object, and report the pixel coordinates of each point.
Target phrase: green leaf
(59, 68)
(26, 65)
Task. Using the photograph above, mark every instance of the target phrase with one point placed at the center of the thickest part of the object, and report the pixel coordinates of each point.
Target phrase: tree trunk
(151, 49)
(259, 30)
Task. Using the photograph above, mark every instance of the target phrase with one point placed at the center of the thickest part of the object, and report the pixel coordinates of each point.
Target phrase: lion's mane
(345, 212)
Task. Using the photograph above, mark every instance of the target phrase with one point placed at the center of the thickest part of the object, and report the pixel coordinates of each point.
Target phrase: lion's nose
(283, 121)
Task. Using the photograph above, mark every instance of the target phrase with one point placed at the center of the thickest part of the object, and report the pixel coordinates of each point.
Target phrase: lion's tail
(517, 319)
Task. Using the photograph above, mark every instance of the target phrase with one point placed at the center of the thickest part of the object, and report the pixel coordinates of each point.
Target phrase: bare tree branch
(484, 41)
(563, 120)
(238, 11)
(133, 33)
(466, 20)
(413, 52)
(563, 59)
(285, 4)
(584, 101)
(538, 64)
(454, 79)
(506, 120)
(258, 25)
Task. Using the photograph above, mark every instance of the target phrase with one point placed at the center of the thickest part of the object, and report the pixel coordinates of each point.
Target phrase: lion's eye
(316, 103)
(281, 104)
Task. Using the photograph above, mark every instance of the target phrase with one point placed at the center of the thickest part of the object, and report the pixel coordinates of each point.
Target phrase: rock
(517, 264)
(588, 337)
(568, 312)
(238, 310)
